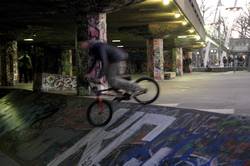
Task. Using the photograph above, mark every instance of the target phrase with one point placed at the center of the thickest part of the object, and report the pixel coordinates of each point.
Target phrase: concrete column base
(178, 56)
(155, 58)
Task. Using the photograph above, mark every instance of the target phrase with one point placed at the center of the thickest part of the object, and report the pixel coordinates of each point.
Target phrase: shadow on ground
(49, 129)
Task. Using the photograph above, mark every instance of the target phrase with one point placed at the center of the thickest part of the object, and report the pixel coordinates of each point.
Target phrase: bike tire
(90, 110)
(154, 83)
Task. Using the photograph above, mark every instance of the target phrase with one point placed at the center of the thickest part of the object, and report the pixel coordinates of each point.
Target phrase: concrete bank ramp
(4, 92)
(51, 130)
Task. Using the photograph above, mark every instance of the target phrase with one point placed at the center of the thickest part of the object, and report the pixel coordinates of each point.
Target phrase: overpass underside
(158, 34)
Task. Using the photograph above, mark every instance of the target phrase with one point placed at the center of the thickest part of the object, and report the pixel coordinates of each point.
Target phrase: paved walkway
(215, 92)
(226, 93)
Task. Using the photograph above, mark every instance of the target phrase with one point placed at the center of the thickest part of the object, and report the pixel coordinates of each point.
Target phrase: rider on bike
(111, 59)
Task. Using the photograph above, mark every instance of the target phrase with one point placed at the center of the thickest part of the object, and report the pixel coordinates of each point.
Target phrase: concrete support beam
(178, 61)
(9, 68)
(155, 58)
(94, 29)
(66, 63)
(38, 69)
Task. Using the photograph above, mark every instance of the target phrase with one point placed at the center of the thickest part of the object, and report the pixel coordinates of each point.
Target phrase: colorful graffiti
(179, 60)
(137, 135)
(54, 82)
(187, 140)
(9, 66)
(155, 56)
(158, 59)
(97, 27)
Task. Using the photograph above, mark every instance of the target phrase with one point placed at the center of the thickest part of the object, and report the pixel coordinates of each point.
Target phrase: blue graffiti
(141, 152)
(183, 147)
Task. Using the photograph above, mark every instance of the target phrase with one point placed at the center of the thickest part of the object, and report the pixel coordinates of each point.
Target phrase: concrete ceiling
(153, 19)
(49, 21)
(53, 21)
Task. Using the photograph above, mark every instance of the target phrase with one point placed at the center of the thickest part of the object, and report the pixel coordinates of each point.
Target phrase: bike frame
(101, 92)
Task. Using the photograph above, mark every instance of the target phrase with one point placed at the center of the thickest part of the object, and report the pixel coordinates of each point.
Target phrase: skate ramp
(50, 129)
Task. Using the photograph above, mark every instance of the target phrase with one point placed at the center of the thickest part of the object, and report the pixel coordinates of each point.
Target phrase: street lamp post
(219, 49)
(220, 35)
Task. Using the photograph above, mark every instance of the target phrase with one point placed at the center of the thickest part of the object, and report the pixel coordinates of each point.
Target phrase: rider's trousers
(115, 80)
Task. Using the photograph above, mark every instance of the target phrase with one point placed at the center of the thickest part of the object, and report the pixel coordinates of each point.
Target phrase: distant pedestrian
(225, 61)
(230, 61)
(24, 65)
(202, 63)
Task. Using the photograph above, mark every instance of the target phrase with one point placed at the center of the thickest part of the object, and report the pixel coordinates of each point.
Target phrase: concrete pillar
(9, 68)
(95, 28)
(38, 68)
(178, 61)
(155, 57)
(66, 62)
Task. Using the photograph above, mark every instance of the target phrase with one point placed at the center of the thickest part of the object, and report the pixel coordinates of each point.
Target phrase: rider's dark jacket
(106, 54)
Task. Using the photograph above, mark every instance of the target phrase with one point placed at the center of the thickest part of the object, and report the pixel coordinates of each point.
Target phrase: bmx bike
(100, 112)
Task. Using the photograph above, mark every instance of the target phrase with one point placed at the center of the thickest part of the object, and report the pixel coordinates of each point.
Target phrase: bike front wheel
(152, 90)
(99, 113)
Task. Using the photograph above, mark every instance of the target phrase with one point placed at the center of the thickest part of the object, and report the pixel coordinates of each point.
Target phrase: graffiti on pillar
(97, 27)
(97, 30)
(167, 61)
(93, 31)
(179, 61)
(11, 62)
(55, 82)
(158, 59)
(102, 27)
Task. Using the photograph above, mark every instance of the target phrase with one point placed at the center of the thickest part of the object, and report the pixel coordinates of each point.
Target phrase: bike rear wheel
(153, 90)
(99, 113)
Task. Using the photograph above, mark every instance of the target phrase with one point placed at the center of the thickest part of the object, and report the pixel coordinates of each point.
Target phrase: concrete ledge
(169, 75)
(56, 82)
(218, 69)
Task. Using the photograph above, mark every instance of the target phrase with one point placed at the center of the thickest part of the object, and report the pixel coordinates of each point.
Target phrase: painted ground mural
(51, 130)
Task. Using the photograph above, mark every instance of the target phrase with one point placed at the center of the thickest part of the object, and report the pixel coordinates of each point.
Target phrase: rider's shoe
(139, 92)
(125, 96)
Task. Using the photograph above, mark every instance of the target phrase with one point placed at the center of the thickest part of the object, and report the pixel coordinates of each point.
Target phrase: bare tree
(205, 9)
(243, 25)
